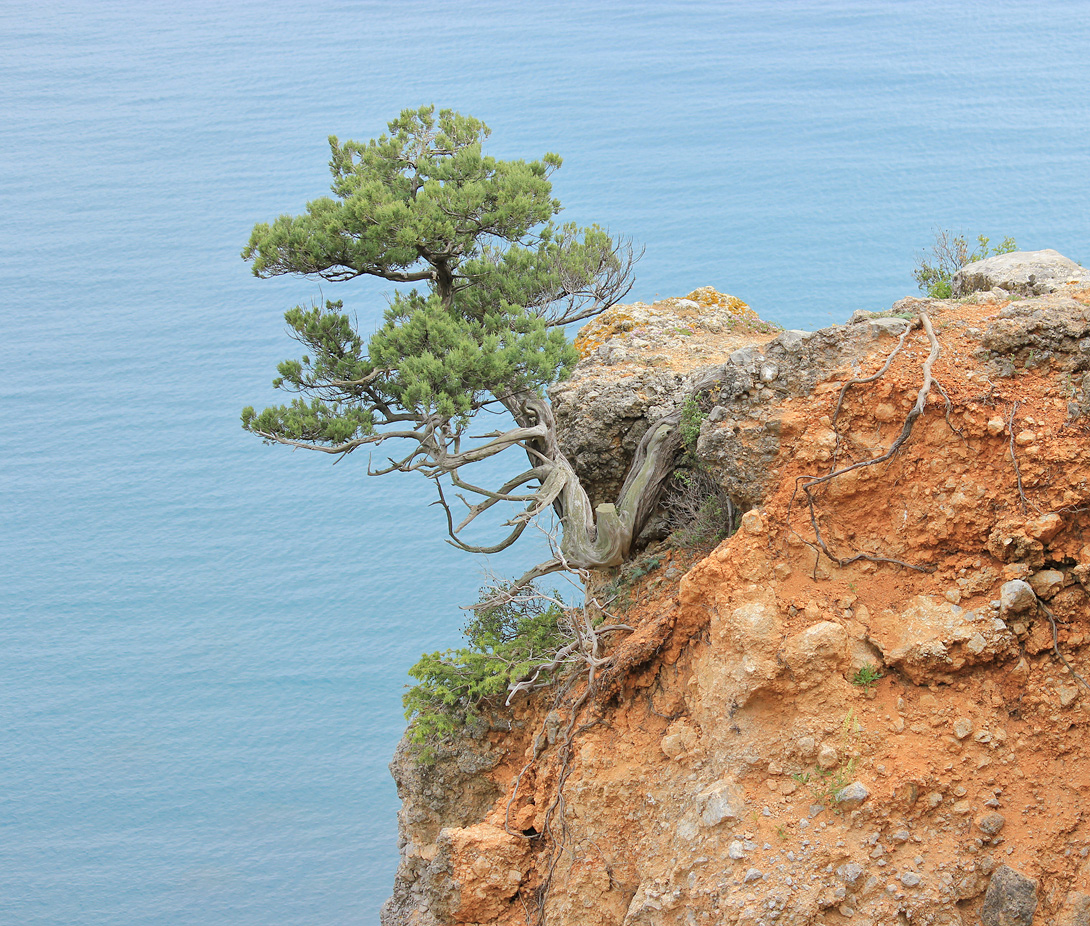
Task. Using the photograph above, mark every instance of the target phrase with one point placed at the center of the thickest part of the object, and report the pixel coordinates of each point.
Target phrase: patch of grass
(692, 417)
(866, 676)
(825, 784)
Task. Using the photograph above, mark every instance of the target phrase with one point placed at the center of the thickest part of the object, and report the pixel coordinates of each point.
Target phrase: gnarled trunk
(602, 535)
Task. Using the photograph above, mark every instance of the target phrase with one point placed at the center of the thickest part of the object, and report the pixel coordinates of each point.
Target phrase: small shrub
(866, 676)
(697, 509)
(692, 417)
(934, 272)
(506, 643)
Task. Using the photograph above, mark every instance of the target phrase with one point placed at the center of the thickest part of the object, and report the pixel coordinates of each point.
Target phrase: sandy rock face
(931, 640)
(866, 706)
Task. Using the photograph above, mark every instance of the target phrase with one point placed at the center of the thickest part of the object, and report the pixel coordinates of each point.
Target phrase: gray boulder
(1011, 899)
(1028, 273)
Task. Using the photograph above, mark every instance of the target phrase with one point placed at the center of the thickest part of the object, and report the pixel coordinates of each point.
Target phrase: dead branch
(910, 420)
(869, 557)
(949, 408)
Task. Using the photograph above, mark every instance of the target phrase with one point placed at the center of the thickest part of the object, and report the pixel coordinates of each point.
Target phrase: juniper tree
(495, 280)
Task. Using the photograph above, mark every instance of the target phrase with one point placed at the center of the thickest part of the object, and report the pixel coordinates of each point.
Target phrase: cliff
(866, 705)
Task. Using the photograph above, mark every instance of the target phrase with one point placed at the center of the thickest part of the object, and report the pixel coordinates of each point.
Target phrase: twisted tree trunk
(603, 535)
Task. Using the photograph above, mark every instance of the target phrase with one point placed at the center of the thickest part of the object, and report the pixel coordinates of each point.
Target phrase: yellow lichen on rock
(624, 319)
(710, 297)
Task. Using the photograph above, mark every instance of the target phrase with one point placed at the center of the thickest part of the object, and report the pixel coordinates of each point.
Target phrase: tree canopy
(494, 280)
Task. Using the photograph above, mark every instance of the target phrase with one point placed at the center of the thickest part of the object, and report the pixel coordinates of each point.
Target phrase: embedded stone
(722, 801)
(1047, 582)
(1016, 597)
(852, 796)
(752, 522)
(1011, 899)
(828, 758)
(1045, 528)
(1075, 910)
(963, 728)
(990, 824)
(851, 873)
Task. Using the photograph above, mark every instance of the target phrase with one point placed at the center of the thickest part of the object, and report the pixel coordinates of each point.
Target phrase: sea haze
(204, 640)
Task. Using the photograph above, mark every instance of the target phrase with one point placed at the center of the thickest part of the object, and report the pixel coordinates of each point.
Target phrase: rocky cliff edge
(864, 707)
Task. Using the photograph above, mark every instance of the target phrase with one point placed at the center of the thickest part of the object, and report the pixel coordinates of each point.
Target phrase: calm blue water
(204, 640)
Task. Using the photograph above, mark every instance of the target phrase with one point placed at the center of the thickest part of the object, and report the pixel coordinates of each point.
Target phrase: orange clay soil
(937, 745)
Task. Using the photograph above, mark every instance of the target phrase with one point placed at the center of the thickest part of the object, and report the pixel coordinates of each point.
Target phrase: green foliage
(692, 417)
(866, 676)
(934, 272)
(825, 784)
(831, 782)
(424, 205)
(507, 643)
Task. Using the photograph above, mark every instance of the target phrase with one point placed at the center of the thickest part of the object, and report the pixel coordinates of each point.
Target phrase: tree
(499, 281)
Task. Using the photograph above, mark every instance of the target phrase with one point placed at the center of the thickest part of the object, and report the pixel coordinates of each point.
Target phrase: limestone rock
(828, 757)
(816, 653)
(723, 801)
(851, 874)
(852, 796)
(487, 865)
(1046, 583)
(1028, 273)
(1016, 597)
(681, 739)
(451, 792)
(1045, 329)
(990, 824)
(1011, 899)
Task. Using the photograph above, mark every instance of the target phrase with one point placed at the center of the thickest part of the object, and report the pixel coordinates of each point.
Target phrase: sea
(204, 640)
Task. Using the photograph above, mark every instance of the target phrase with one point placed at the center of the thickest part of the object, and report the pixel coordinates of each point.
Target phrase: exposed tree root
(584, 650)
(1014, 460)
(1056, 644)
(808, 483)
(862, 380)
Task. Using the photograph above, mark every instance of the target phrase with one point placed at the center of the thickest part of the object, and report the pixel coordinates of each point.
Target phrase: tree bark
(603, 535)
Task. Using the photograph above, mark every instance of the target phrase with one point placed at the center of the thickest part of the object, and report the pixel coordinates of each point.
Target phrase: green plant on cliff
(866, 676)
(692, 417)
(483, 330)
(508, 642)
(935, 271)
